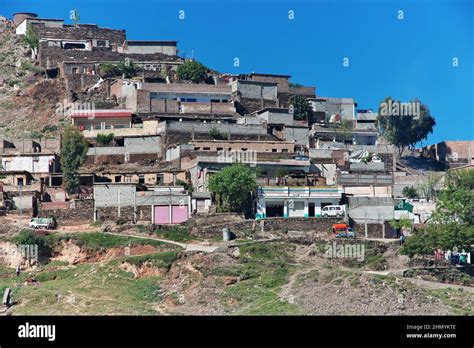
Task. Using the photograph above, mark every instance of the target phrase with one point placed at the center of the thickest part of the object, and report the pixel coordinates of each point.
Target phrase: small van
(46, 223)
(333, 210)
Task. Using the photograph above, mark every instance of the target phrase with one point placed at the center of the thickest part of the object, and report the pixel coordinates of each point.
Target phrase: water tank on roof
(21, 16)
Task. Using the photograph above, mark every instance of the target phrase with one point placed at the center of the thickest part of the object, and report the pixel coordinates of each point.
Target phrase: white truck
(46, 223)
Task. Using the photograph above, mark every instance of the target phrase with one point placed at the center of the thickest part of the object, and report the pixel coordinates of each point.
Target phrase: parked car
(46, 223)
(333, 210)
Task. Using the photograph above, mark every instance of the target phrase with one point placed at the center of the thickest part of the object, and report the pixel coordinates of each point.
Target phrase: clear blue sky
(404, 59)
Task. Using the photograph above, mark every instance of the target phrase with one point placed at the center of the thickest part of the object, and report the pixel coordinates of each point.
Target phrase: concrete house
(304, 201)
(109, 119)
(160, 205)
(149, 47)
(177, 98)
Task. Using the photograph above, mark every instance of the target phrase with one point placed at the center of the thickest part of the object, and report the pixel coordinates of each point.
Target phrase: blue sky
(405, 59)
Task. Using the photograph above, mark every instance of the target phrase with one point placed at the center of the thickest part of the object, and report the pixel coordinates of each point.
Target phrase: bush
(217, 134)
(410, 192)
(28, 237)
(103, 139)
(193, 71)
(187, 186)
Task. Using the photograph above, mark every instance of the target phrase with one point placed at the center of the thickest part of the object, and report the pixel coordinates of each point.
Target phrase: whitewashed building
(304, 201)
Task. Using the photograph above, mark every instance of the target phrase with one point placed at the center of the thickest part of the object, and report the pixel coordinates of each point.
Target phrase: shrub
(103, 139)
(193, 71)
(217, 134)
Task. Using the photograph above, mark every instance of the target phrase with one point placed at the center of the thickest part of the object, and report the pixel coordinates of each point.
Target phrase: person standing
(18, 270)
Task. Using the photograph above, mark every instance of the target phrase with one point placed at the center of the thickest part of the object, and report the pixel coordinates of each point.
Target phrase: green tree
(300, 108)
(404, 130)
(454, 205)
(73, 154)
(452, 223)
(235, 185)
(31, 40)
(410, 192)
(193, 71)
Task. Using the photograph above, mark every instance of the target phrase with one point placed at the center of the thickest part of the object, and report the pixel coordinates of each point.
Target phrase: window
(206, 148)
(101, 43)
(284, 150)
(159, 179)
(74, 46)
(220, 149)
(141, 179)
(75, 70)
(215, 101)
(118, 178)
(197, 148)
(274, 150)
(20, 181)
(244, 149)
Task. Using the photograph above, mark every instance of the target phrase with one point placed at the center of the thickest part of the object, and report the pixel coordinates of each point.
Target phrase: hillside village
(156, 136)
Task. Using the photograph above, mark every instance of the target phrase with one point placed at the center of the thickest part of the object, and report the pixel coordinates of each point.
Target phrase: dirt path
(185, 246)
(436, 285)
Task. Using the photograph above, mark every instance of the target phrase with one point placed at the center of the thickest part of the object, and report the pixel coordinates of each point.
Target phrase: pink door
(161, 214)
(179, 213)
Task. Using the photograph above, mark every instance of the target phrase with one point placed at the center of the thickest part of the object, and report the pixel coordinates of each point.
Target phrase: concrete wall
(255, 90)
(169, 49)
(368, 191)
(149, 127)
(262, 146)
(149, 144)
(34, 164)
(187, 126)
(367, 167)
(300, 135)
(277, 117)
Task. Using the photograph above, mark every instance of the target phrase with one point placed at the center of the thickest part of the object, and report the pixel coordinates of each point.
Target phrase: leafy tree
(410, 192)
(105, 139)
(444, 237)
(455, 204)
(73, 154)
(235, 185)
(452, 223)
(300, 108)
(403, 131)
(402, 223)
(192, 70)
(31, 40)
